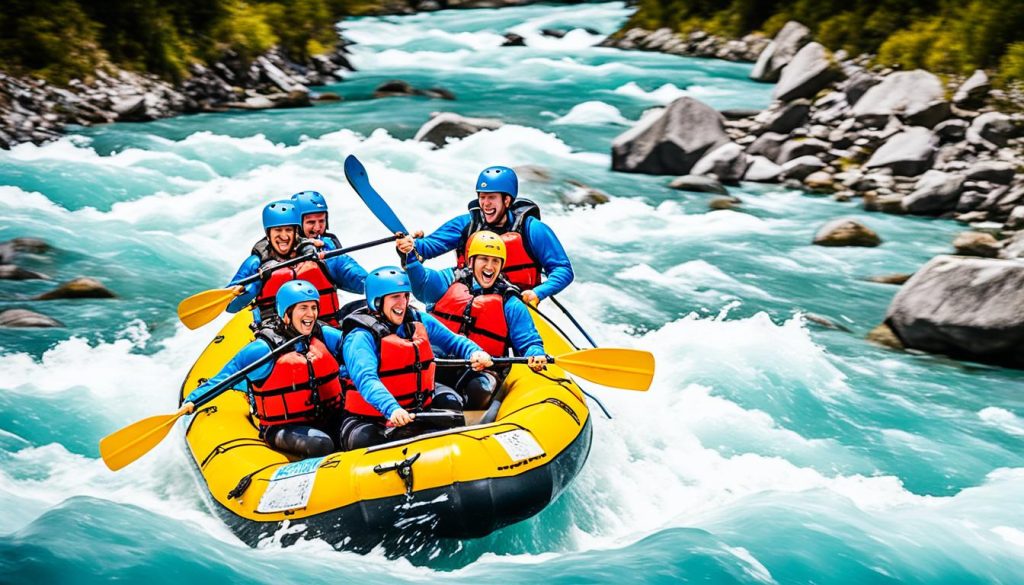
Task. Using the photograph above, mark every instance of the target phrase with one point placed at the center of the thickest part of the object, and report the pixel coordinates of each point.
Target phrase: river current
(769, 450)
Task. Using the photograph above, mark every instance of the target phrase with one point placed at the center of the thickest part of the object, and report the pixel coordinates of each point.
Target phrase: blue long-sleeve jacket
(543, 244)
(429, 285)
(343, 270)
(257, 349)
(362, 359)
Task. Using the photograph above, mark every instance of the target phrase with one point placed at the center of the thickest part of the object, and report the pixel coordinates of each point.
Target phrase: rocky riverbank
(32, 110)
(898, 142)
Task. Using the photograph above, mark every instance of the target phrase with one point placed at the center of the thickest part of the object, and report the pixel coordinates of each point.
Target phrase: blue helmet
(294, 292)
(309, 202)
(280, 213)
(384, 281)
(498, 180)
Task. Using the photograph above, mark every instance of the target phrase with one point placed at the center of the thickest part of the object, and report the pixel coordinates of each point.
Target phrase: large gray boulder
(934, 193)
(964, 307)
(447, 125)
(810, 71)
(12, 272)
(785, 118)
(768, 145)
(726, 162)
(671, 142)
(762, 170)
(846, 231)
(799, 168)
(991, 170)
(801, 147)
(905, 93)
(973, 91)
(991, 130)
(908, 153)
(26, 318)
(780, 52)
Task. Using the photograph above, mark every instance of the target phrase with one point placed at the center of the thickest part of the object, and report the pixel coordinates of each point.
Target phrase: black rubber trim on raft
(429, 518)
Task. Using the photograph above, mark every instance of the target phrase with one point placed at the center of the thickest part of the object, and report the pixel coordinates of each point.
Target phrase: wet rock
(973, 91)
(762, 170)
(131, 109)
(447, 125)
(780, 51)
(903, 93)
(825, 322)
(934, 193)
(930, 115)
(293, 99)
(883, 335)
(533, 173)
(768, 145)
(846, 232)
(394, 88)
(897, 279)
(1015, 221)
(723, 203)
(26, 318)
(79, 288)
(992, 171)
(801, 147)
(819, 182)
(438, 93)
(739, 113)
(952, 130)
(555, 33)
(671, 142)
(979, 244)
(857, 85)
(726, 162)
(963, 307)
(808, 73)
(699, 184)
(12, 272)
(513, 40)
(27, 245)
(799, 168)
(908, 153)
(786, 118)
(1013, 248)
(326, 96)
(991, 130)
(583, 195)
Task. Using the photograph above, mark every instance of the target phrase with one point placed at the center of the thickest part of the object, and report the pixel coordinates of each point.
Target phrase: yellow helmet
(485, 243)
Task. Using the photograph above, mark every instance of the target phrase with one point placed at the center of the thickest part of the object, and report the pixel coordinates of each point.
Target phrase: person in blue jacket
(281, 222)
(388, 354)
(314, 215)
(297, 397)
(478, 302)
(532, 248)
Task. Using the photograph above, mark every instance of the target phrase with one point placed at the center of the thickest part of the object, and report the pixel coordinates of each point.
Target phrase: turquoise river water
(769, 450)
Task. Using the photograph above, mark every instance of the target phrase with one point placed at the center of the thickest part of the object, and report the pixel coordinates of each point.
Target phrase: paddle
(629, 369)
(355, 172)
(201, 308)
(135, 440)
(574, 321)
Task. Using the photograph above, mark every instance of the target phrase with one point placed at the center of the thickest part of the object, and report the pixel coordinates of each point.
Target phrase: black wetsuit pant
(476, 388)
(306, 440)
(359, 432)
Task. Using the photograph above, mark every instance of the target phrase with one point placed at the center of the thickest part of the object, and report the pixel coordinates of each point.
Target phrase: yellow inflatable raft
(459, 483)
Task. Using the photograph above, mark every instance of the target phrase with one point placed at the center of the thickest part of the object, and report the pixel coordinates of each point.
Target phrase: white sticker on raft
(290, 486)
(519, 444)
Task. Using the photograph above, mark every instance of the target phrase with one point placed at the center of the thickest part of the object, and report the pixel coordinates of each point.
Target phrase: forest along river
(768, 450)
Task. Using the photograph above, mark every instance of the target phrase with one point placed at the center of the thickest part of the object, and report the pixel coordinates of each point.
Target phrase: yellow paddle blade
(135, 440)
(629, 369)
(201, 308)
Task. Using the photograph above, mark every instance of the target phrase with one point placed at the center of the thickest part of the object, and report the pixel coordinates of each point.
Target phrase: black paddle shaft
(498, 361)
(240, 374)
(315, 255)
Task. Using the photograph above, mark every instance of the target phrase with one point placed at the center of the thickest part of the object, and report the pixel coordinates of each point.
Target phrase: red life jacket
(406, 365)
(479, 315)
(520, 268)
(299, 386)
(273, 279)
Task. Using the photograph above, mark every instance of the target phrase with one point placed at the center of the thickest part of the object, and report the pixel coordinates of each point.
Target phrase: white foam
(1003, 420)
(662, 95)
(593, 113)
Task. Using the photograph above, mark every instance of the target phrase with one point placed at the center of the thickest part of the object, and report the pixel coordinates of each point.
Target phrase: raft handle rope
(402, 468)
(573, 319)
